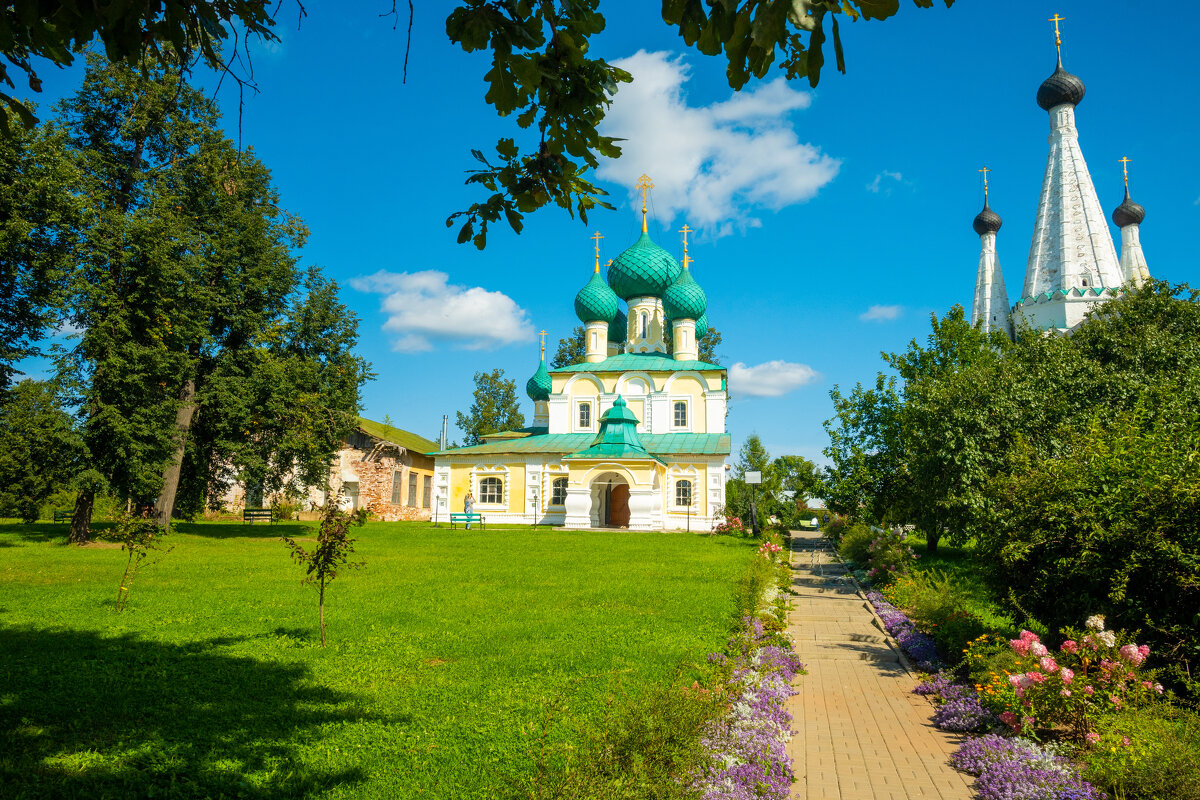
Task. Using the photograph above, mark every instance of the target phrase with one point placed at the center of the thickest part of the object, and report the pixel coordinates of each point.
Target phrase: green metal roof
(596, 302)
(562, 444)
(618, 437)
(643, 270)
(646, 362)
(406, 439)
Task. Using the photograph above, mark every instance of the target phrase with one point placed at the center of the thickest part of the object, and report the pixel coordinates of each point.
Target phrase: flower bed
(748, 744)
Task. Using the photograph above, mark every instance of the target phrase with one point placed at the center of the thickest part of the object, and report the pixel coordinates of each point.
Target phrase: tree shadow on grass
(32, 531)
(84, 716)
(235, 530)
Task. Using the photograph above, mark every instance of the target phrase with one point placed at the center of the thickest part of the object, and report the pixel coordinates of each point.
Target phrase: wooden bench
(466, 519)
(62, 516)
(252, 515)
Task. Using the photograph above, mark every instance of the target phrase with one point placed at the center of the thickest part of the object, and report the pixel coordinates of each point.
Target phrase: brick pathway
(860, 732)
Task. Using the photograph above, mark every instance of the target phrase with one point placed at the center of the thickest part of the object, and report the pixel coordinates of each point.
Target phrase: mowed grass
(449, 653)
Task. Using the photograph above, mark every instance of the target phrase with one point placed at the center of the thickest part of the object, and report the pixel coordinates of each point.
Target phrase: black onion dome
(1128, 213)
(1061, 87)
(987, 221)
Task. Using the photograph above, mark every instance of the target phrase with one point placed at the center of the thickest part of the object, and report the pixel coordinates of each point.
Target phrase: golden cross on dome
(543, 335)
(1125, 168)
(644, 185)
(685, 230)
(985, 171)
(597, 237)
(1057, 35)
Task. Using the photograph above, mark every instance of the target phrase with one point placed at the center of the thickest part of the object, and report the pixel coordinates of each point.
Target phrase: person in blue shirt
(469, 506)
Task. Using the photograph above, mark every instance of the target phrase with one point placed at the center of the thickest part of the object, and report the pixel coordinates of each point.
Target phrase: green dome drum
(644, 270)
(596, 302)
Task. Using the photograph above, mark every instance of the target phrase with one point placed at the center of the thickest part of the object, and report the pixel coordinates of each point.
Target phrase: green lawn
(446, 651)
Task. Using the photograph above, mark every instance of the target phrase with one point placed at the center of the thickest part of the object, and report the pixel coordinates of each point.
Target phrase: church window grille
(585, 415)
(428, 491)
(683, 493)
(491, 490)
(397, 487)
(558, 492)
(412, 490)
(680, 417)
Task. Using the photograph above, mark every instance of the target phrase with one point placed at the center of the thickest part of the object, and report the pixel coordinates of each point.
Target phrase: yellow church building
(633, 436)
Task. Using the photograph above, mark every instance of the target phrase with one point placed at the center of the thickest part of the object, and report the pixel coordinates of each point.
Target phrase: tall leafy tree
(798, 475)
(38, 214)
(190, 300)
(39, 448)
(571, 349)
(495, 408)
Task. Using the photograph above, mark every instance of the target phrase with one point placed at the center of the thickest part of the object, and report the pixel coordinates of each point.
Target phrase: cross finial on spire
(597, 237)
(685, 230)
(1057, 35)
(985, 171)
(1125, 169)
(542, 334)
(644, 184)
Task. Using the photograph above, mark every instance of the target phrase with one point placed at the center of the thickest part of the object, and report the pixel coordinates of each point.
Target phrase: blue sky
(832, 221)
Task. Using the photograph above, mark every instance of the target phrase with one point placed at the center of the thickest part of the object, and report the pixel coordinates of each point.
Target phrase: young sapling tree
(139, 536)
(330, 554)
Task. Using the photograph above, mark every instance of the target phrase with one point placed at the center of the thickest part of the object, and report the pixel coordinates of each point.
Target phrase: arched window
(491, 490)
(643, 327)
(679, 417)
(683, 493)
(558, 492)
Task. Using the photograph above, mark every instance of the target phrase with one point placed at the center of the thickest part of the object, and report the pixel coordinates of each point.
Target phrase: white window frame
(691, 492)
(554, 484)
(480, 495)
(687, 414)
(579, 407)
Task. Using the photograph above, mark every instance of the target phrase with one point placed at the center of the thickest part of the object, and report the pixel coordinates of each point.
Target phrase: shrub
(888, 556)
(1093, 673)
(855, 542)
(834, 529)
(1152, 753)
(731, 526)
(938, 604)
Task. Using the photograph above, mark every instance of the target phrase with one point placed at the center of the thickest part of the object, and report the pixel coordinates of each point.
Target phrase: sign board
(753, 477)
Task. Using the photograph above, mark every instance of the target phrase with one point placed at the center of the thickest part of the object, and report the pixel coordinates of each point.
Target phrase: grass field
(447, 654)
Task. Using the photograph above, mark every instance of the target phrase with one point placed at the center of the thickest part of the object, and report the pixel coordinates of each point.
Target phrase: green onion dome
(684, 299)
(644, 270)
(538, 387)
(618, 328)
(596, 302)
(701, 326)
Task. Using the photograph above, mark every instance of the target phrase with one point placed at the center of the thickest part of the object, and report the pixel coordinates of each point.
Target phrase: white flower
(1108, 637)
(1096, 622)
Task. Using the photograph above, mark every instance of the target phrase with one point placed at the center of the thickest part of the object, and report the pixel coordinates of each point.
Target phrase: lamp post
(753, 478)
(533, 501)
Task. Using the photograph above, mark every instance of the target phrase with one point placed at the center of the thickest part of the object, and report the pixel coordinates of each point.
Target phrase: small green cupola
(596, 302)
(684, 299)
(618, 436)
(538, 387)
(618, 328)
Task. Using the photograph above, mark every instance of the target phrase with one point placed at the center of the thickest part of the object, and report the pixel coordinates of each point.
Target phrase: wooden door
(618, 509)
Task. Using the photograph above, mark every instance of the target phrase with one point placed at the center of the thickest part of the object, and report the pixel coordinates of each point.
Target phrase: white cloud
(876, 186)
(424, 308)
(712, 164)
(769, 379)
(881, 313)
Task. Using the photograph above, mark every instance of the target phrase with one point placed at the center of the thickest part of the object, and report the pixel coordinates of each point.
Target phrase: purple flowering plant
(1012, 768)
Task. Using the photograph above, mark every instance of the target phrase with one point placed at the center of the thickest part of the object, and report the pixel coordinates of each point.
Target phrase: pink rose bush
(1098, 672)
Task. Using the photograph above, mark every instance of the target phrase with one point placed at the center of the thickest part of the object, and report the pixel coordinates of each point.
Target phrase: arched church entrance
(610, 499)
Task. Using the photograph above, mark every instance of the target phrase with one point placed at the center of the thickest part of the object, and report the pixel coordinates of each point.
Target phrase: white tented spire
(1128, 216)
(991, 300)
